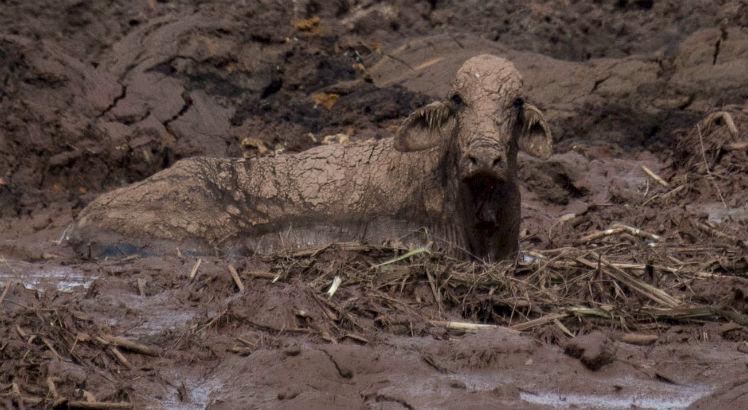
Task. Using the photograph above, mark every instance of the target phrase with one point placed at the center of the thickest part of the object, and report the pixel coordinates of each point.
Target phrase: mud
(95, 96)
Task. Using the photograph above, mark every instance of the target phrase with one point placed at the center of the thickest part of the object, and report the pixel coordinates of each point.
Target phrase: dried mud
(94, 96)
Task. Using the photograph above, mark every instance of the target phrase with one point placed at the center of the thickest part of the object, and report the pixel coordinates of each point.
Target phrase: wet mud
(630, 289)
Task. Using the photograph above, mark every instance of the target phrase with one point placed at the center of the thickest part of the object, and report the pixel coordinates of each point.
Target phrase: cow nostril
(496, 161)
(473, 160)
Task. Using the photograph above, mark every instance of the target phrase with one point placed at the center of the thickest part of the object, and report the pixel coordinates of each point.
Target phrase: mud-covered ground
(651, 314)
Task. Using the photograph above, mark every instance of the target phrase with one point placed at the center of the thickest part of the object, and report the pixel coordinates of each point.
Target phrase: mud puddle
(641, 394)
(195, 394)
(44, 278)
(599, 393)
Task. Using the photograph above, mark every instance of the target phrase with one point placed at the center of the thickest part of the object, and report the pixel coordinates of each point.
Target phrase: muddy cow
(448, 176)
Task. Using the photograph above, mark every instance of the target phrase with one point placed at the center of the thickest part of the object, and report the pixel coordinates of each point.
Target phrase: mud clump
(594, 350)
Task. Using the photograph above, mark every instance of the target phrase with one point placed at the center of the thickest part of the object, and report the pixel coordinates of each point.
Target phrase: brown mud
(629, 292)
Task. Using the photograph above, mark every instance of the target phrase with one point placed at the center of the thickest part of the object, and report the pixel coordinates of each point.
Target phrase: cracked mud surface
(95, 96)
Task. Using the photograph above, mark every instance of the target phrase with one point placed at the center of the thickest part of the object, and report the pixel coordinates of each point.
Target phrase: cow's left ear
(535, 138)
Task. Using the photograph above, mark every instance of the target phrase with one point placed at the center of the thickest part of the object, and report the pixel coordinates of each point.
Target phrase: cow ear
(536, 138)
(426, 127)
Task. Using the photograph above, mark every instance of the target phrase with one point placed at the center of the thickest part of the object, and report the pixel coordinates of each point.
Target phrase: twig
(706, 164)
(563, 328)
(680, 313)
(434, 290)
(236, 278)
(639, 339)
(127, 344)
(665, 195)
(669, 269)
(141, 287)
(468, 326)
(17, 393)
(735, 316)
(122, 359)
(5, 291)
(193, 272)
(334, 286)
(727, 117)
(644, 289)
(356, 337)
(600, 234)
(637, 232)
(62, 235)
(719, 234)
(736, 146)
(404, 256)
(654, 176)
(246, 342)
(52, 388)
(588, 311)
(51, 348)
(525, 326)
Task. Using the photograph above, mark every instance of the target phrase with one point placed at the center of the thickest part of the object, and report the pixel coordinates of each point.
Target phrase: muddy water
(199, 391)
(43, 278)
(639, 394)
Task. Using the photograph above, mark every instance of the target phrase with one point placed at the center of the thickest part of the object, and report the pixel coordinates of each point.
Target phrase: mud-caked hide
(448, 177)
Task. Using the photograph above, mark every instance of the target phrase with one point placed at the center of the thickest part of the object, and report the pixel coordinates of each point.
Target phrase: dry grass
(617, 280)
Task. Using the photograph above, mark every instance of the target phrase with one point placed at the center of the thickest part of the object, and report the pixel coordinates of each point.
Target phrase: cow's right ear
(426, 127)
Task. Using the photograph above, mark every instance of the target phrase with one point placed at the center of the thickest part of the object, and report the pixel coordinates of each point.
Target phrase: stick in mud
(120, 357)
(600, 234)
(236, 278)
(334, 286)
(52, 388)
(653, 293)
(654, 176)
(195, 267)
(5, 291)
(637, 232)
(706, 166)
(719, 234)
(467, 325)
(726, 117)
(617, 229)
(521, 327)
(141, 287)
(128, 344)
(51, 348)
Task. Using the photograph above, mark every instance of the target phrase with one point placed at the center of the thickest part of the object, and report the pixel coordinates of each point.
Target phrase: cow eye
(456, 100)
(518, 103)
